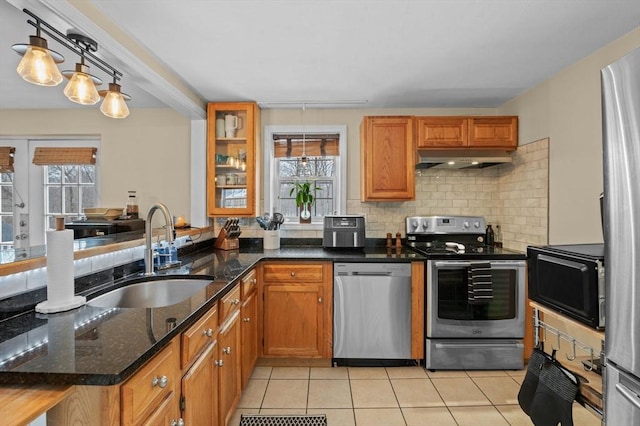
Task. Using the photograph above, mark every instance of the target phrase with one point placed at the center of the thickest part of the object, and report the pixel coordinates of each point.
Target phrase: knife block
(223, 242)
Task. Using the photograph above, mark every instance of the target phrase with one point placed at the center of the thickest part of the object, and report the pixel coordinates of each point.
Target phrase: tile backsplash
(513, 196)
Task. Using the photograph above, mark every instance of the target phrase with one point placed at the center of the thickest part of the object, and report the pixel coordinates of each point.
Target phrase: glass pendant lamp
(81, 88)
(38, 64)
(114, 104)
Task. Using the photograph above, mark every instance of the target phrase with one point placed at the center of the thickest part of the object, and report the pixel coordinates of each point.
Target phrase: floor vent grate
(288, 420)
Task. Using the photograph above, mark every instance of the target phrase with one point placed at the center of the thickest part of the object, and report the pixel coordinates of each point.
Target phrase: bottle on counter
(174, 253)
(489, 238)
(498, 237)
(132, 205)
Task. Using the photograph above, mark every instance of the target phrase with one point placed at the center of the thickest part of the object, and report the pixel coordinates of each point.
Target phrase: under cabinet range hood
(461, 159)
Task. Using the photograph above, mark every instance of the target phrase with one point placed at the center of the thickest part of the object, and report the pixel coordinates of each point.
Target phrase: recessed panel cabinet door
(293, 320)
(200, 396)
(442, 132)
(388, 159)
(493, 132)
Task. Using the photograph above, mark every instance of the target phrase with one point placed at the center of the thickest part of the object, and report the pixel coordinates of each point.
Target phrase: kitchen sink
(151, 293)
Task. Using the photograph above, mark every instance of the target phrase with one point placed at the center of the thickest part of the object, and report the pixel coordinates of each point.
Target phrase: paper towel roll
(60, 286)
(60, 283)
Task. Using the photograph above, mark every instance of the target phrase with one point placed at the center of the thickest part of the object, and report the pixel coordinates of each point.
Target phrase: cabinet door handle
(247, 319)
(179, 422)
(319, 299)
(226, 350)
(162, 382)
(219, 362)
(254, 280)
(208, 332)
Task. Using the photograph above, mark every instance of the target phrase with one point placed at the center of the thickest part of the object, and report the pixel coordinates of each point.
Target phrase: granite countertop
(104, 346)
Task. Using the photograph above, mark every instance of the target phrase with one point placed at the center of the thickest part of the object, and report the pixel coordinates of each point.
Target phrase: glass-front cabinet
(231, 153)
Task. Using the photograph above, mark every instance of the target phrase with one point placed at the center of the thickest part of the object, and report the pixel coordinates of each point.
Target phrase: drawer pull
(162, 382)
(254, 280)
(236, 301)
(226, 350)
(208, 332)
(293, 274)
(247, 319)
(179, 422)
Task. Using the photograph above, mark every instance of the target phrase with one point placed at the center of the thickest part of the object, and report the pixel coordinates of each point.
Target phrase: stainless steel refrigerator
(621, 148)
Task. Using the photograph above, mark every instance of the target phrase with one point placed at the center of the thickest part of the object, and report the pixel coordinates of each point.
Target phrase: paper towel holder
(72, 302)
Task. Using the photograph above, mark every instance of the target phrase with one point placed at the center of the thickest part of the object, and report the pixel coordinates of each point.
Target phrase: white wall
(566, 109)
(148, 152)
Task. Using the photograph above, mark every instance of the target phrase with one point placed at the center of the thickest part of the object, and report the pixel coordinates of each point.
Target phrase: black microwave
(570, 280)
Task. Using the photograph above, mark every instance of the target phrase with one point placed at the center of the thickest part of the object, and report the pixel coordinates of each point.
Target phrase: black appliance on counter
(97, 228)
(569, 279)
(463, 333)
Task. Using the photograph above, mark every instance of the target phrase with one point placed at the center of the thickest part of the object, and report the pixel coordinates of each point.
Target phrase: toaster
(343, 231)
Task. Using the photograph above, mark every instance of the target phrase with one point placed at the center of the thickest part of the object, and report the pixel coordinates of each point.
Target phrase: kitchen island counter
(104, 346)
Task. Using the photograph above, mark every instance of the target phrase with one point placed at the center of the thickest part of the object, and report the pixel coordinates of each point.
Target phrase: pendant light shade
(81, 88)
(38, 64)
(114, 104)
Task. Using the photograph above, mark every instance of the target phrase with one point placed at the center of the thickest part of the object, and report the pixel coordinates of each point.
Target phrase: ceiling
(347, 53)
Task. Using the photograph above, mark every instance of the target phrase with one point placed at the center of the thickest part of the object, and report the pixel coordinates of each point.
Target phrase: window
(325, 150)
(33, 194)
(67, 191)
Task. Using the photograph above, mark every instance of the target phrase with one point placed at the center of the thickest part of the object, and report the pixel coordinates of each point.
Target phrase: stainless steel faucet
(168, 227)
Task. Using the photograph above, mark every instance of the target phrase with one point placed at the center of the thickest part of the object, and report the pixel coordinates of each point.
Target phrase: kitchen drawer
(229, 303)
(146, 390)
(248, 283)
(293, 272)
(198, 336)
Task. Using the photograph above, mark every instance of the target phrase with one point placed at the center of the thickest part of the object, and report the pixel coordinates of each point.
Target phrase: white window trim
(269, 169)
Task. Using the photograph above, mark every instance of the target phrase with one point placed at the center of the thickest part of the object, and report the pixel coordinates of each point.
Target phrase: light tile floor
(403, 396)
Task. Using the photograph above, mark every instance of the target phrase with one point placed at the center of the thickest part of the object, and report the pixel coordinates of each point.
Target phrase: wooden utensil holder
(223, 242)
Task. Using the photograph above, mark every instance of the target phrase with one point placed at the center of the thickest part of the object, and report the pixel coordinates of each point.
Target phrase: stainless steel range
(475, 294)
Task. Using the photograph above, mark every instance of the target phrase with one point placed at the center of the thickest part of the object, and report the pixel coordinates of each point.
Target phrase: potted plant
(304, 199)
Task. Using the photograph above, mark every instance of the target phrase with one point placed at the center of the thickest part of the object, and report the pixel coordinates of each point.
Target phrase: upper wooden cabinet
(500, 132)
(493, 132)
(449, 132)
(388, 158)
(232, 129)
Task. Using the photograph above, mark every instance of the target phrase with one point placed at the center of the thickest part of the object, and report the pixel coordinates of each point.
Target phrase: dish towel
(480, 287)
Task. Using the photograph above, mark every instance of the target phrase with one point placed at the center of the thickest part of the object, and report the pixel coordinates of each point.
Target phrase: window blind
(6, 159)
(315, 145)
(45, 156)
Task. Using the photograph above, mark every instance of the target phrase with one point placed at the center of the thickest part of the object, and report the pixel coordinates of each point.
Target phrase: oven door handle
(476, 344)
(494, 264)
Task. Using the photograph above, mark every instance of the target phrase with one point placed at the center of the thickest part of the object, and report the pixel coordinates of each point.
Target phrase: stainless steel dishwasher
(371, 313)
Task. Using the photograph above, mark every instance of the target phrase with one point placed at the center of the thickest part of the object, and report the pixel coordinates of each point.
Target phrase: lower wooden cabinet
(199, 400)
(154, 387)
(297, 309)
(229, 367)
(249, 328)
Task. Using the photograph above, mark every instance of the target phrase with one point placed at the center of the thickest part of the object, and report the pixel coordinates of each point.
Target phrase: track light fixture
(38, 66)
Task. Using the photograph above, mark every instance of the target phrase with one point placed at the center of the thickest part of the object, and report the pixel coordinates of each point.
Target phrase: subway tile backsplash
(513, 196)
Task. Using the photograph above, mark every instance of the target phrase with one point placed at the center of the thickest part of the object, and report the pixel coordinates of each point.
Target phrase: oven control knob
(476, 224)
(465, 224)
(415, 224)
(425, 225)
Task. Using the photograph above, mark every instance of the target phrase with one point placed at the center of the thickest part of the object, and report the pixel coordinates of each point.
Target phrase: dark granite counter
(104, 346)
